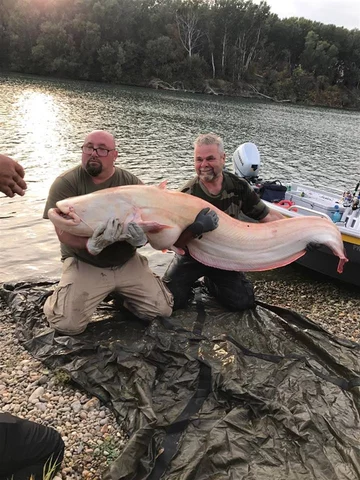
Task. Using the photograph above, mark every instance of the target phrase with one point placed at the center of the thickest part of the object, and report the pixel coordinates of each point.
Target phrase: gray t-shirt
(76, 182)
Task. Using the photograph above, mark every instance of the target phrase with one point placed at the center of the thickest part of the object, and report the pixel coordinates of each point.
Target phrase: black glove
(312, 247)
(205, 221)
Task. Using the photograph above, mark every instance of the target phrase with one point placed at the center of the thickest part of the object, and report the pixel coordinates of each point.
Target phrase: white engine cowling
(246, 160)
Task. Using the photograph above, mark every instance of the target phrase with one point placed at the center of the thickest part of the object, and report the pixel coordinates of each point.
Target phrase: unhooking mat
(207, 394)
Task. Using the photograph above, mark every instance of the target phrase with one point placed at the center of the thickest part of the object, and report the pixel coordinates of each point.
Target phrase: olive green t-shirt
(76, 182)
(236, 197)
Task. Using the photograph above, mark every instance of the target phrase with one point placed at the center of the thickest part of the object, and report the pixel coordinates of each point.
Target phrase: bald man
(105, 263)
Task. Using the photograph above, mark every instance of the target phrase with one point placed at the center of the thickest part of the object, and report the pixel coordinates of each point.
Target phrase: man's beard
(93, 167)
(207, 176)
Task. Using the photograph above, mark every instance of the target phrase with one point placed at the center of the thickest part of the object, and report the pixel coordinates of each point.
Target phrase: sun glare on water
(40, 138)
(38, 115)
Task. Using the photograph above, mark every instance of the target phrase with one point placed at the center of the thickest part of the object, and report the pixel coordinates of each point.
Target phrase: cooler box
(315, 199)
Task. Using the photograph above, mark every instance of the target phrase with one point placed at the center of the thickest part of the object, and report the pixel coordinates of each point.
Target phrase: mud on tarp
(210, 394)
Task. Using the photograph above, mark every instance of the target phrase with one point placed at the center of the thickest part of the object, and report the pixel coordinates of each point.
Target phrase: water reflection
(38, 118)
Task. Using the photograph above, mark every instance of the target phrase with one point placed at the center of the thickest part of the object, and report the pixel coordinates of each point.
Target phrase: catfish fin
(163, 185)
(152, 227)
(179, 251)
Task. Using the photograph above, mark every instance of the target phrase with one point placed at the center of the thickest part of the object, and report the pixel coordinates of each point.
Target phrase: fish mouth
(64, 216)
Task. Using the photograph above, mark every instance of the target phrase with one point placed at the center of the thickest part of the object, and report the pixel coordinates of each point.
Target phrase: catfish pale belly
(164, 214)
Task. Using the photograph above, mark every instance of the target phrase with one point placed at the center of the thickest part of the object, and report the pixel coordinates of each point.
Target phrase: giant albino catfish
(163, 214)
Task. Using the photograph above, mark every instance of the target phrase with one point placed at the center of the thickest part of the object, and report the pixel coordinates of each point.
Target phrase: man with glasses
(94, 267)
(107, 262)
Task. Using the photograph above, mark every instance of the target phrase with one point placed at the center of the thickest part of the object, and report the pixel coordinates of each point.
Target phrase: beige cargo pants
(82, 287)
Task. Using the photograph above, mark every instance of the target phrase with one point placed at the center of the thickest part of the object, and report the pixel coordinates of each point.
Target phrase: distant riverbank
(332, 97)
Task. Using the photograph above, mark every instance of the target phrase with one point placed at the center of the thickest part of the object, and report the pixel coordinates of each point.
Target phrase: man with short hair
(105, 263)
(232, 195)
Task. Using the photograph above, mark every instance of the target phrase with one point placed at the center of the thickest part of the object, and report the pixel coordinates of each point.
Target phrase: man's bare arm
(70, 240)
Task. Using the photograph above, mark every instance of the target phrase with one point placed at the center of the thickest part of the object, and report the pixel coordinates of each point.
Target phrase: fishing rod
(355, 201)
(356, 188)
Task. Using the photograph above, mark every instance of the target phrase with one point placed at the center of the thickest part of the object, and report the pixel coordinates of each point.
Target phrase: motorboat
(295, 199)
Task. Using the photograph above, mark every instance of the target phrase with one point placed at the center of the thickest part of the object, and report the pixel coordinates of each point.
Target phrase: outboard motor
(246, 161)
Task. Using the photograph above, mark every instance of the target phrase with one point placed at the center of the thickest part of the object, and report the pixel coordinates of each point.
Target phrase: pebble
(76, 406)
(93, 403)
(36, 394)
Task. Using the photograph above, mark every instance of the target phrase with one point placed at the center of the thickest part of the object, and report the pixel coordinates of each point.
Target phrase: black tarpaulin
(211, 394)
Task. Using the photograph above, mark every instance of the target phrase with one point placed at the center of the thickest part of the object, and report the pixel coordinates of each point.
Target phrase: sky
(343, 13)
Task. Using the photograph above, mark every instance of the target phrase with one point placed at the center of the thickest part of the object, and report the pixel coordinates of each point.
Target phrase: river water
(43, 123)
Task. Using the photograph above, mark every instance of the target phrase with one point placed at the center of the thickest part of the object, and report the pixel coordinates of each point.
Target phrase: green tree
(111, 59)
(86, 36)
(22, 31)
(319, 56)
(55, 51)
(159, 54)
(200, 44)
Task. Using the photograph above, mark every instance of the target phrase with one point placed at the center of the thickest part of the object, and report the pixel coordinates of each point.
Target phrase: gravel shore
(29, 390)
(90, 432)
(333, 305)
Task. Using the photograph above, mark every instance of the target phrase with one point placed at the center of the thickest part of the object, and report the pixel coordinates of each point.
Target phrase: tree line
(232, 47)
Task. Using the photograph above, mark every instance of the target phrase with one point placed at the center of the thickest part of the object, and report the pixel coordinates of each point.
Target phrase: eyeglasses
(101, 152)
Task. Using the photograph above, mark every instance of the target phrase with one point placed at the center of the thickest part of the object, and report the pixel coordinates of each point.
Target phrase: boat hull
(323, 261)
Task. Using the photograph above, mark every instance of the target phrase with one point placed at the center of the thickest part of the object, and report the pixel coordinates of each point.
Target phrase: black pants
(26, 447)
(231, 289)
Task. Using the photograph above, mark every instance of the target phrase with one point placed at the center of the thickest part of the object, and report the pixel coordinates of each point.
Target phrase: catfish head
(81, 215)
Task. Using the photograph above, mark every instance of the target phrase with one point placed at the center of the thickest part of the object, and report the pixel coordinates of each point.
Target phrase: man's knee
(74, 299)
(165, 310)
(179, 292)
(235, 295)
(164, 299)
(157, 301)
(148, 312)
(240, 302)
(60, 319)
(180, 277)
(243, 296)
(67, 328)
